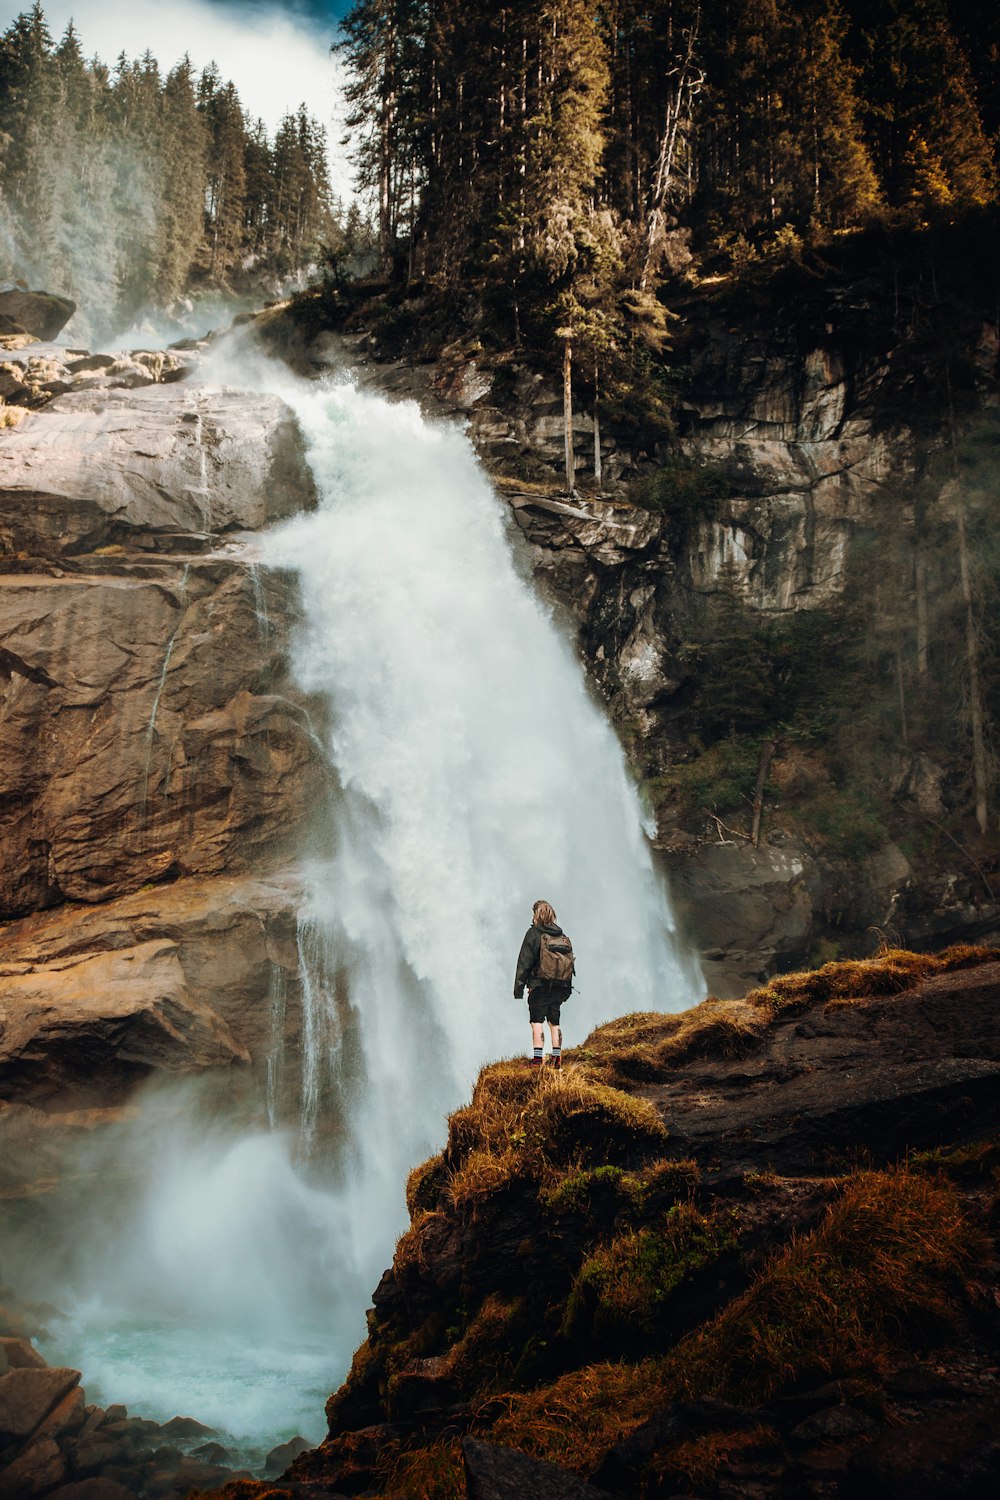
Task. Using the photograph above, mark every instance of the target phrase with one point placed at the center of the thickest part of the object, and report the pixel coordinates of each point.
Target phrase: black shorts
(544, 1005)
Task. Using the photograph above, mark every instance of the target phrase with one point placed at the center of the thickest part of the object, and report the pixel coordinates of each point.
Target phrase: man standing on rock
(545, 964)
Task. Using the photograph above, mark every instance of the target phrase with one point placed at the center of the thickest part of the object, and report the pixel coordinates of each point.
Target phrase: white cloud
(276, 58)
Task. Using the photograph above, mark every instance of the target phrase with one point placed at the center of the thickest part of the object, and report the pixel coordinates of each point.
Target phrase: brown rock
(92, 1489)
(145, 754)
(33, 1472)
(185, 1428)
(39, 313)
(27, 1396)
(128, 1012)
(67, 1417)
(279, 1458)
(21, 1354)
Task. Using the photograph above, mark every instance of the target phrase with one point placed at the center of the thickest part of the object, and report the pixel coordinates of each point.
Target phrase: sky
(278, 55)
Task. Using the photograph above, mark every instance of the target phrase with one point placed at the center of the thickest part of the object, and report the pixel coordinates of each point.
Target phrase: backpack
(555, 959)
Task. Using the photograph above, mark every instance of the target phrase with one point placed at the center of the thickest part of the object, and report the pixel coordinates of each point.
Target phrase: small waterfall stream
(474, 773)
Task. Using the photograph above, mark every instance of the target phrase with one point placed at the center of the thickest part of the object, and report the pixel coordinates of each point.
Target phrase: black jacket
(527, 959)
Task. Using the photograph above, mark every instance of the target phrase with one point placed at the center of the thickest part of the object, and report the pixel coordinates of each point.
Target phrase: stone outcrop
(41, 314)
(171, 979)
(155, 469)
(154, 751)
(749, 1209)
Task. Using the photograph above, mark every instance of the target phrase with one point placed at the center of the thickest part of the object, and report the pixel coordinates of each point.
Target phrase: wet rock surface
(53, 1444)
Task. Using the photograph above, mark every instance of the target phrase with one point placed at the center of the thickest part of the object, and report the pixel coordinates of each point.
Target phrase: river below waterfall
(473, 772)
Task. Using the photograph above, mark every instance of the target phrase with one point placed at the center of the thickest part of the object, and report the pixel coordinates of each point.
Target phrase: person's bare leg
(556, 1045)
(537, 1040)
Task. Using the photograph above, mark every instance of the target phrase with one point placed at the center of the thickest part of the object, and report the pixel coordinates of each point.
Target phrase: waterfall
(476, 774)
(471, 773)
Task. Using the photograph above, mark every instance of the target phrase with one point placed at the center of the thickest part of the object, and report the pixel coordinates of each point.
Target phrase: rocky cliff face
(799, 512)
(153, 751)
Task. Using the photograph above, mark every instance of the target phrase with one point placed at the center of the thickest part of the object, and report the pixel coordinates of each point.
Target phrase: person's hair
(544, 915)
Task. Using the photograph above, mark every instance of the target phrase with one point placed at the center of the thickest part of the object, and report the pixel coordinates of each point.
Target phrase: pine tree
(183, 147)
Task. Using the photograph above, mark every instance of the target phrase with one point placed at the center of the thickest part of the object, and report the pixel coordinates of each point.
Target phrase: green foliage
(622, 1291)
(683, 491)
(721, 780)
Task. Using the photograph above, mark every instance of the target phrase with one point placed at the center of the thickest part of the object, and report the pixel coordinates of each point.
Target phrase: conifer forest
(129, 186)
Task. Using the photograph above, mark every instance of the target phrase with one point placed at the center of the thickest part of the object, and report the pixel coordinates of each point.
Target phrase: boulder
(495, 1473)
(33, 1472)
(216, 1453)
(92, 1489)
(28, 1395)
(184, 1429)
(39, 313)
(162, 462)
(20, 1354)
(67, 1417)
(279, 1458)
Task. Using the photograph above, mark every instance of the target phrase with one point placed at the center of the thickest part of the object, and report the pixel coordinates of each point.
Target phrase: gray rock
(158, 462)
(832, 1425)
(495, 1473)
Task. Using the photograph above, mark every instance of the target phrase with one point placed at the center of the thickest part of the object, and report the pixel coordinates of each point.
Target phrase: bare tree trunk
(688, 86)
(763, 770)
(598, 466)
(568, 412)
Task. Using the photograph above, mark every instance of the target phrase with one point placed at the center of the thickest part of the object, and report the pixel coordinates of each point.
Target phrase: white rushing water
(476, 774)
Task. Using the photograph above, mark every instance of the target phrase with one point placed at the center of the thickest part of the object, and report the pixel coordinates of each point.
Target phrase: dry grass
(425, 1186)
(436, 1472)
(646, 1048)
(524, 1125)
(697, 1462)
(487, 1356)
(578, 1418)
(889, 1260)
(888, 973)
(486, 1172)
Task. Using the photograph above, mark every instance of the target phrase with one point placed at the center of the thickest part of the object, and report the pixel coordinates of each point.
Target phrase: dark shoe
(556, 1062)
